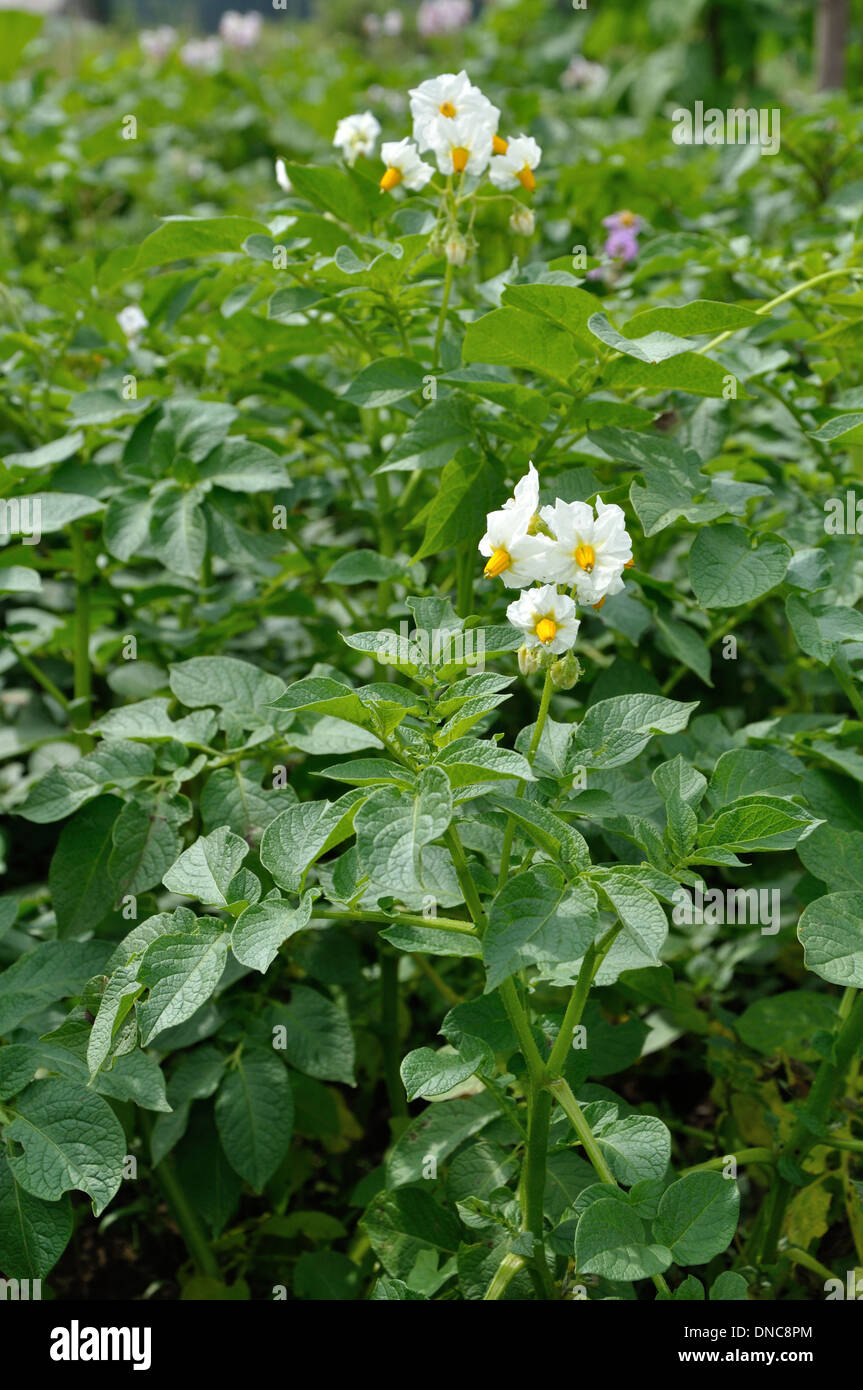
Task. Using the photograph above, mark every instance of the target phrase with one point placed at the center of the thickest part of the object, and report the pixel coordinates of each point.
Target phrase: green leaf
(650, 347)
(725, 571)
(536, 917)
(786, 1022)
(514, 338)
(432, 437)
(363, 567)
(206, 868)
(33, 1233)
(261, 929)
(394, 827)
(146, 843)
(241, 689)
(385, 383)
(181, 972)
(469, 760)
(831, 934)
(757, 823)
(404, 1226)
(429, 1073)
(698, 316)
(51, 971)
(115, 763)
(332, 190)
(697, 1217)
(729, 1287)
(636, 1147)
(178, 530)
(185, 238)
(121, 991)
(298, 836)
(559, 840)
(610, 1240)
(435, 1134)
(468, 490)
(255, 1115)
(834, 856)
(70, 1138)
(82, 890)
(615, 731)
(315, 1036)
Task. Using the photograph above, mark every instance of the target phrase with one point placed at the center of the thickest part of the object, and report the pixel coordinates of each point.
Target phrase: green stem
(742, 1156)
(190, 1227)
(441, 323)
(81, 654)
(408, 919)
(825, 1088)
(509, 832)
(390, 1030)
(571, 1108)
(506, 1271)
(574, 1010)
(39, 677)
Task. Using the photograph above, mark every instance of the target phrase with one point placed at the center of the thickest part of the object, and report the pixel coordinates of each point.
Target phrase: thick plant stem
(571, 1108)
(506, 1271)
(194, 1236)
(538, 727)
(441, 323)
(390, 1031)
(81, 653)
(825, 1089)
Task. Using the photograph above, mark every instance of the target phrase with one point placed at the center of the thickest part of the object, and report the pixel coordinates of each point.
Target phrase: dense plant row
(431, 681)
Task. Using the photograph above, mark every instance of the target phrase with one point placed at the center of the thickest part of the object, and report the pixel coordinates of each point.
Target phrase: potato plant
(432, 716)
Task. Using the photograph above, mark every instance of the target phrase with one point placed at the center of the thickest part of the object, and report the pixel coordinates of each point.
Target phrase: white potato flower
(450, 97)
(132, 321)
(403, 166)
(356, 135)
(546, 618)
(523, 222)
(525, 495)
(463, 146)
(512, 553)
(202, 55)
(589, 551)
(157, 43)
(240, 31)
(516, 165)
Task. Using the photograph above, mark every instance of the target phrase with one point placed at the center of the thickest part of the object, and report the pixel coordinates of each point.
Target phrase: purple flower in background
(442, 17)
(622, 244)
(624, 221)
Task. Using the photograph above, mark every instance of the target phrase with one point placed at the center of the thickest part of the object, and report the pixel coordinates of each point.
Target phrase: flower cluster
(456, 125)
(621, 244)
(583, 76)
(240, 31)
(159, 42)
(202, 55)
(442, 17)
(567, 544)
(389, 24)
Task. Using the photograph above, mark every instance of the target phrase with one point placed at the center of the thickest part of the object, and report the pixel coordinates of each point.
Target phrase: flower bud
(566, 671)
(455, 249)
(528, 659)
(523, 222)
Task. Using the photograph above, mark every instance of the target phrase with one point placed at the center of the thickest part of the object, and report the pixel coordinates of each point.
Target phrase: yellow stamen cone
(597, 606)
(526, 179)
(585, 558)
(447, 109)
(500, 560)
(499, 145)
(391, 178)
(627, 564)
(460, 157)
(546, 630)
